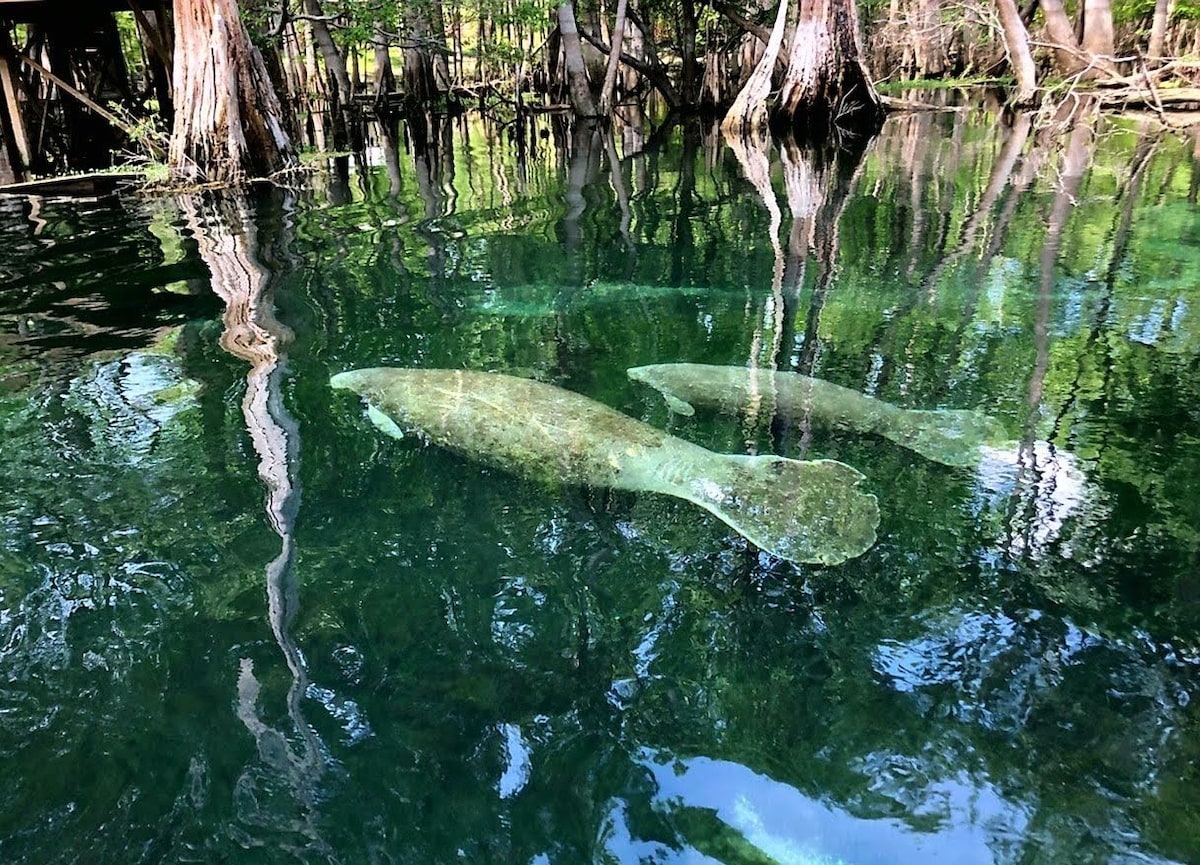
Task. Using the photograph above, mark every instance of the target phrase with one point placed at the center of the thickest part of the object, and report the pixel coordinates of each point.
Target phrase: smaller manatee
(952, 437)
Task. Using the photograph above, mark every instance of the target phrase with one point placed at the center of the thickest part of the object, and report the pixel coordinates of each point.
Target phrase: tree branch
(653, 74)
(759, 32)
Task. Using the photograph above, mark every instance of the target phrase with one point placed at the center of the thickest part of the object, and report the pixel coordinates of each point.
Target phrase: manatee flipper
(677, 405)
(804, 511)
(385, 424)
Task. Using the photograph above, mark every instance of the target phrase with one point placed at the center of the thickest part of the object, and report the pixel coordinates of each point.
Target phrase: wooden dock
(94, 185)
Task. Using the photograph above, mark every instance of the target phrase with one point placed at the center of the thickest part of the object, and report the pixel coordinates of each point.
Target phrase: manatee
(949, 436)
(802, 511)
(547, 299)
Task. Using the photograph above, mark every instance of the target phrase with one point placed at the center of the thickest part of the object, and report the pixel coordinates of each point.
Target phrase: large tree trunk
(1016, 40)
(1098, 38)
(827, 82)
(577, 81)
(1068, 56)
(426, 73)
(227, 117)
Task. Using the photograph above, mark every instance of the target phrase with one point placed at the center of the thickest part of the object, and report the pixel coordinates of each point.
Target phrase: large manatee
(801, 511)
(952, 437)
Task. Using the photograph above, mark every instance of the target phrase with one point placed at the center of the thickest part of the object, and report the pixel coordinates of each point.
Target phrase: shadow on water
(488, 668)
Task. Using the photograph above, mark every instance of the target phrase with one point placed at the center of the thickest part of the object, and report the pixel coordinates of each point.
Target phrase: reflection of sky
(1048, 485)
(791, 828)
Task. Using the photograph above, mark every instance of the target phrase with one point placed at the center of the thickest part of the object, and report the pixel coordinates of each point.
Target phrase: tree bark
(577, 83)
(1016, 40)
(748, 113)
(614, 56)
(426, 74)
(330, 56)
(1158, 31)
(827, 83)
(385, 78)
(931, 54)
(1068, 56)
(227, 116)
(689, 79)
(335, 65)
(1098, 38)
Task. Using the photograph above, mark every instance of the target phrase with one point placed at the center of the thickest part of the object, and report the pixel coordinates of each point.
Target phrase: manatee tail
(950, 437)
(802, 511)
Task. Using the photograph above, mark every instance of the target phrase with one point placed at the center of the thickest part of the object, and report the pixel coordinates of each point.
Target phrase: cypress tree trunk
(335, 65)
(228, 123)
(610, 71)
(385, 78)
(931, 53)
(827, 82)
(748, 114)
(689, 79)
(426, 74)
(577, 82)
(1098, 36)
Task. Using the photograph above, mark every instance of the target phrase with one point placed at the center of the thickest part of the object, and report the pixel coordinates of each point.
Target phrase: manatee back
(523, 426)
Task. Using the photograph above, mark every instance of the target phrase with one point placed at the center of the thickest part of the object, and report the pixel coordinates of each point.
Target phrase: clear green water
(237, 624)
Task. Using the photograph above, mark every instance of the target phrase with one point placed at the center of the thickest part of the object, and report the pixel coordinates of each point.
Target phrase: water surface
(238, 624)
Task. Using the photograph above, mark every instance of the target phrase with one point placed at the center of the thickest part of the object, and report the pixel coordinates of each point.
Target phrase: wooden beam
(152, 34)
(91, 104)
(13, 105)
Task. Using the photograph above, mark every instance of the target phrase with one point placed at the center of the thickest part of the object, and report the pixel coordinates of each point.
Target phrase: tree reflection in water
(222, 225)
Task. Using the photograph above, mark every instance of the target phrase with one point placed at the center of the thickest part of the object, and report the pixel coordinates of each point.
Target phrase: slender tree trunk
(635, 47)
(931, 54)
(748, 114)
(1016, 40)
(385, 78)
(317, 89)
(227, 117)
(827, 82)
(426, 76)
(610, 72)
(689, 79)
(158, 61)
(330, 56)
(577, 84)
(1158, 31)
